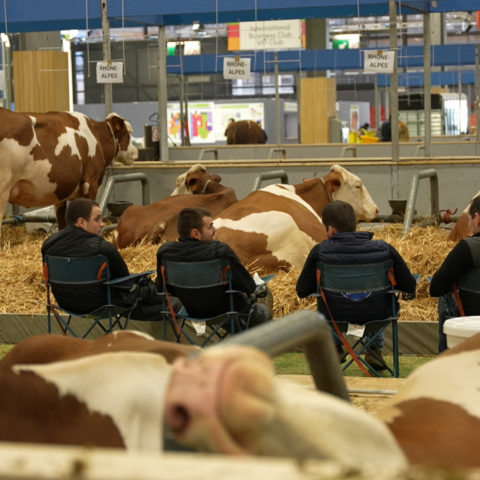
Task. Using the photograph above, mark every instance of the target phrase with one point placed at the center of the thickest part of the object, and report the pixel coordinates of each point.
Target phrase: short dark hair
(474, 206)
(190, 218)
(339, 215)
(79, 208)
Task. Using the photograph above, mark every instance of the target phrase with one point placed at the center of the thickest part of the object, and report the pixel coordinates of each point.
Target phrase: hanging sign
(109, 72)
(236, 67)
(379, 61)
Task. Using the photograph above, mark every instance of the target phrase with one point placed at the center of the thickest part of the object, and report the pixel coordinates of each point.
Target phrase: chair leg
(396, 363)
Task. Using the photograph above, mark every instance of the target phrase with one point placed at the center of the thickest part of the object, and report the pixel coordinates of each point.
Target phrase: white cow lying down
(227, 400)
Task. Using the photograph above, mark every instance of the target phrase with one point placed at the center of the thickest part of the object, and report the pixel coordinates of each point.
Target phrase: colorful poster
(199, 126)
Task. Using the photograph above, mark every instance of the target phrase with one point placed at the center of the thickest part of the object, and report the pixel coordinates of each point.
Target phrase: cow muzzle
(219, 400)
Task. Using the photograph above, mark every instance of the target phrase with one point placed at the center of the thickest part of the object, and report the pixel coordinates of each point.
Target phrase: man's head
(85, 214)
(474, 215)
(195, 223)
(338, 217)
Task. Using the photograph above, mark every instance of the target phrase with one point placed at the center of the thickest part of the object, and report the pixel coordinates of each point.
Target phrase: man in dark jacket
(81, 238)
(462, 258)
(345, 246)
(196, 243)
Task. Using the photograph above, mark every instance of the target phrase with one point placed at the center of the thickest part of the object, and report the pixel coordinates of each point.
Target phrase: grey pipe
(280, 174)
(412, 198)
(306, 329)
(122, 178)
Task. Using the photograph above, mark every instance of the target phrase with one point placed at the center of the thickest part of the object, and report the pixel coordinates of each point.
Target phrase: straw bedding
(23, 292)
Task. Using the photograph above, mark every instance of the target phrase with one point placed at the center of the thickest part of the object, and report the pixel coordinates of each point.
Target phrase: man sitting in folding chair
(462, 259)
(196, 244)
(81, 238)
(346, 246)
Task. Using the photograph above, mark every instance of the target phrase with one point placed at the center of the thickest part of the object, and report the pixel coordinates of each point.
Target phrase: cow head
(126, 152)
(344, 185)
(181, 186)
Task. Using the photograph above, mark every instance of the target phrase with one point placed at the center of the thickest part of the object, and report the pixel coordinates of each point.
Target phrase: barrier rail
(410, 209)
(208, 150)
(280, 174)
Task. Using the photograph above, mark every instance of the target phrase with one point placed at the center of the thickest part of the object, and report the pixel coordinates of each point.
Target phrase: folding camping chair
(205, 290)
(467, 293)
(85, 277)
(361, 287)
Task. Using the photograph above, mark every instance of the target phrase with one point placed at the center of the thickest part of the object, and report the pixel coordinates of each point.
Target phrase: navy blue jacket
(353, 248)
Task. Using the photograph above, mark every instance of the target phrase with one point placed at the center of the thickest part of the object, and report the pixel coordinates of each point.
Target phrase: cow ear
(118, 123)
(194, 185)
(333, 181)
(216, 178)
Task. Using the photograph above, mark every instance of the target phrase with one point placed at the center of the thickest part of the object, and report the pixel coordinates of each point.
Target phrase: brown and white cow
(158, 221)
(50, 348)
(243, 132)
(435, 416)
(224, 400)
(277, 226)
(462, 229)
(49, 158)
(227, 400)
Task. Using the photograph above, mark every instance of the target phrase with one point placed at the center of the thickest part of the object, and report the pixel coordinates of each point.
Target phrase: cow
(243, 132)
(158, 221)
(49, 158)
(276, 227)
(233, 404)
(462, 229)
(48, 348)
(180, 183)
(226, 399)
(435, 416)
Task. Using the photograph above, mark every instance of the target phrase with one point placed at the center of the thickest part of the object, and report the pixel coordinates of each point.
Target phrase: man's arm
(458, 261)
(307, 282)
(241, 279)
(116, 265)
(405, 280)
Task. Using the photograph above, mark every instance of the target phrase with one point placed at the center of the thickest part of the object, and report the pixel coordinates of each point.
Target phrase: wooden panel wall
(40, 79)
(318, 96)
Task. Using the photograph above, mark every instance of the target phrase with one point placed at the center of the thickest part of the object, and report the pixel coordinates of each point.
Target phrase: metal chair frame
(356, 282)
(201, 286)
(79, 273)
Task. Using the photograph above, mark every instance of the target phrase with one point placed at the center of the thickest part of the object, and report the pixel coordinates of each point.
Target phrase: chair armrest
(128, 278)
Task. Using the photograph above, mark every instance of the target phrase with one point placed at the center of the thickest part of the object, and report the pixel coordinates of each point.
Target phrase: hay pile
(23, 292)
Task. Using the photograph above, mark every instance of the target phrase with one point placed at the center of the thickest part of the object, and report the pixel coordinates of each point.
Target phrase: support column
(162, 94)
(427, 99)
(394, 82)
(107, 57)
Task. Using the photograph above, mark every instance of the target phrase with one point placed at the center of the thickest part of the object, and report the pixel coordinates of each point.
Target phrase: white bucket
(459, 328)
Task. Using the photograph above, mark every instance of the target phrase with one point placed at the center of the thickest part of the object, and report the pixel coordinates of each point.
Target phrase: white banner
(379, 61)
(271, 35)
(234, 67)
(109, 72)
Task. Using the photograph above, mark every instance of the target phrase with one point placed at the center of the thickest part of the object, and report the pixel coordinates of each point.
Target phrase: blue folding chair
(362, 288)
(205, 290)
(88, 278)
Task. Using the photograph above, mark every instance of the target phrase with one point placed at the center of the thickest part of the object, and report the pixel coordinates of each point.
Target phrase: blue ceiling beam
(43, 15)
(318, 60)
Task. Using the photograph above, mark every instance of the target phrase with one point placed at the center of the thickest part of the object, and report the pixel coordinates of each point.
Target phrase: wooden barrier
(39, 462)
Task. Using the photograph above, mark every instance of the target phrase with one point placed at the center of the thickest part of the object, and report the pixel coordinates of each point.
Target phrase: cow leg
(3, 199)
(60, 209)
